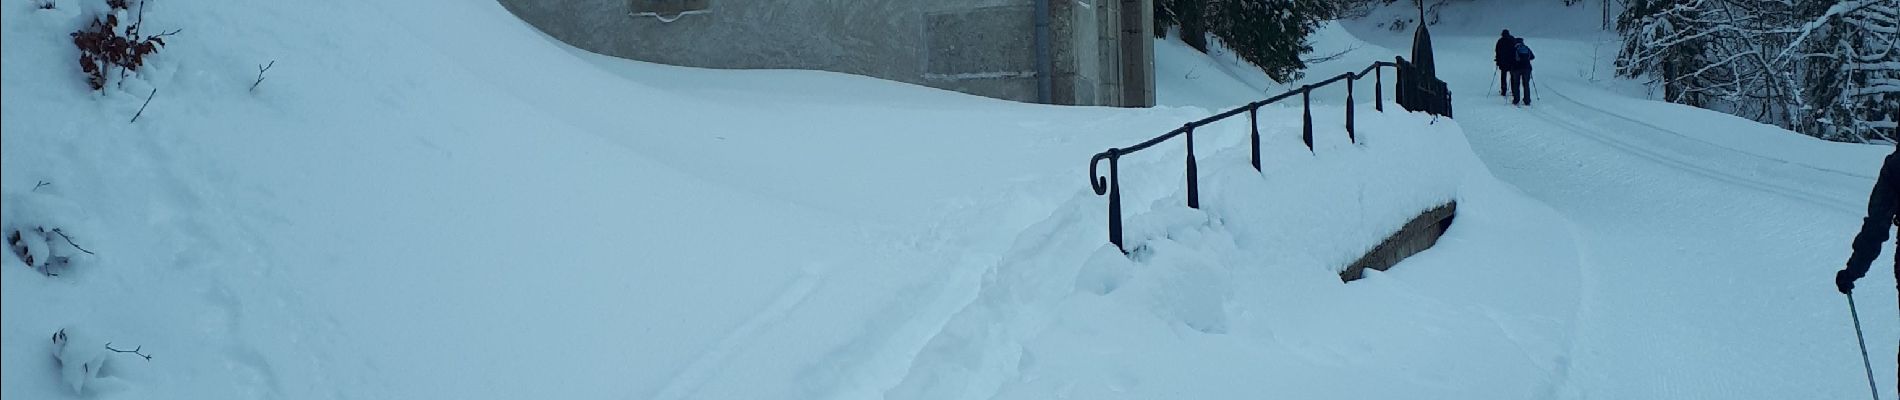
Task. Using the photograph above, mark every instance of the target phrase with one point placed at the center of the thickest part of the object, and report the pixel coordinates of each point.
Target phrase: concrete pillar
(1137, 53)
(1109, 58)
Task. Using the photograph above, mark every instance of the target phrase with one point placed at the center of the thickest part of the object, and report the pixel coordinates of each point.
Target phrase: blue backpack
(1524, 55)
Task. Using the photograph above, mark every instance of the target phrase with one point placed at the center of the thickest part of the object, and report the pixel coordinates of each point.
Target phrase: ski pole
(1854, 311)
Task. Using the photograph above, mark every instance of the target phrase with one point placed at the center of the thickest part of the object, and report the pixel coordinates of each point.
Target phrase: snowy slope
(469, 210)
(372, 222)
(433, 200)
(1216, 80)
(472, 210)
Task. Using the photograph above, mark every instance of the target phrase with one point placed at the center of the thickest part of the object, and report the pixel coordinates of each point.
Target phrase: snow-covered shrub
(49, 251)
(84, 362)
(105, 43)
(40, 232)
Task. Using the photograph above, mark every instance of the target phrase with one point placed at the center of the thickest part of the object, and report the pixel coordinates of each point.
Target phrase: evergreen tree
(1270, 34)
(1190, 15)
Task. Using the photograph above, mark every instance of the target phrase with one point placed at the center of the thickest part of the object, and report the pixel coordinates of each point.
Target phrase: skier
(1521, 73)
(1505, 58)
(1881, 207)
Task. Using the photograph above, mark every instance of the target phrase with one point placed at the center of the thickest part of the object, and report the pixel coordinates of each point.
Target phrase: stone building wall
(982, 47)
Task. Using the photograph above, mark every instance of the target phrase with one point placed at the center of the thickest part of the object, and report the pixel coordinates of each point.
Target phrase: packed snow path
(1709, 241)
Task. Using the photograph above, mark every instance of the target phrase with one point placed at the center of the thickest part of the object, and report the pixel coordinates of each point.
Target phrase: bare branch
(148, 101)
(260, 74)
(135, 351)
(69, 240)
(1334, 56)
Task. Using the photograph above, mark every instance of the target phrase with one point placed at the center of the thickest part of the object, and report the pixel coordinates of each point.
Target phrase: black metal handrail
(1111, 184)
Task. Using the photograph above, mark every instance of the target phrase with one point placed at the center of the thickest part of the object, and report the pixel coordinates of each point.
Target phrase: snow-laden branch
(1808, 29)
(1806, 65)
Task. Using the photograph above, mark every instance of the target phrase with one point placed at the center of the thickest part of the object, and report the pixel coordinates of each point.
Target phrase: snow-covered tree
(1869, 71)
(1821, 67)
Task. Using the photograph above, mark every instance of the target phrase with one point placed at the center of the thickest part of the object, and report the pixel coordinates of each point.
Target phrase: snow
(1215, 81)
(85, 362)
(1709, 242)
(1246, 292)
(437, 201)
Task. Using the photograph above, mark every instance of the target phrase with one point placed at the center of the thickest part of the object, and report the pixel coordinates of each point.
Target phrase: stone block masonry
(1100, 51)
(1417, 235)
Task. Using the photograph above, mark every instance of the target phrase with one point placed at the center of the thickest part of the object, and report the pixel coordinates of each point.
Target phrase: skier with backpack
(1521, 73)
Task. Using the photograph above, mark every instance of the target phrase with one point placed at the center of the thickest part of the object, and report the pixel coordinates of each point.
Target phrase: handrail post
(1401, 83)
(1115, 203)
(1378, 89)
(1253, 125)
(1306, 117)
(1111, 186)
(1193, 185)
(1349, 133)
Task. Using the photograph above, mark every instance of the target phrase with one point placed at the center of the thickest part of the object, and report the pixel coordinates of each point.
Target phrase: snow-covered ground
(1709, 241)
(433, 200)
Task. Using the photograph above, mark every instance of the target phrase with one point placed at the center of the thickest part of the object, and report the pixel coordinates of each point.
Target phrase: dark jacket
(1522, 56)
(1506, 57)
(1881, 205)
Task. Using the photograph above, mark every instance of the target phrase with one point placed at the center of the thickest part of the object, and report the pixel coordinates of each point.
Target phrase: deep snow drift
(436, 201)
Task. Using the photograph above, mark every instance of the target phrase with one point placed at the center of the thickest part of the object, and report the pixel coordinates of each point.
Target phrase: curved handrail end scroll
(1098, 181)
